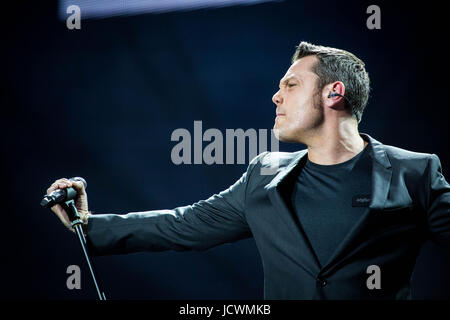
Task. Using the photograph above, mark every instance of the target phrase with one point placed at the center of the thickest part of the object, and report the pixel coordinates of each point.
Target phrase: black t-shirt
(329, 199)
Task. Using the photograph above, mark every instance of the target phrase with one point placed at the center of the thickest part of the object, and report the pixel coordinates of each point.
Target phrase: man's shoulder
(275, 161)
(407, 161)
(395, 153)
(401, 154)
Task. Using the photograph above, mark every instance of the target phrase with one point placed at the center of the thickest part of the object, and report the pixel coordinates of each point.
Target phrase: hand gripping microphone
(65, 197)
(61, 195)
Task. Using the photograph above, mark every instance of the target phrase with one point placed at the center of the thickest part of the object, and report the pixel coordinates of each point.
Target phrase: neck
(335, 143)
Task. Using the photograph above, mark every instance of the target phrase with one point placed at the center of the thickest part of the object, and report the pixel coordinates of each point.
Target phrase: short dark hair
(339, 65)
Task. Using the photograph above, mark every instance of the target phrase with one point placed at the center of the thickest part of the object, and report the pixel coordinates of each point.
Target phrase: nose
(277, 99)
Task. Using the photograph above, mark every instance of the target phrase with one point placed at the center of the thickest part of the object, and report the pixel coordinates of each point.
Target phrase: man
(342, 219)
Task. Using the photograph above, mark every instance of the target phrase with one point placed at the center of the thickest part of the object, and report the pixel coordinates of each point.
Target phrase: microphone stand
(77, 223)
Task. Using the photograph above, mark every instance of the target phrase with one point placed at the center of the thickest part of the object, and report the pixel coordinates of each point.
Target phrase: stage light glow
(110, 8)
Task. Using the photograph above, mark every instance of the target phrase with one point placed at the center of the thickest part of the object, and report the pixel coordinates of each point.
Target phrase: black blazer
(410, 203)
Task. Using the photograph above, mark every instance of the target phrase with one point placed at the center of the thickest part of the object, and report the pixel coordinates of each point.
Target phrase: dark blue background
(102, 102)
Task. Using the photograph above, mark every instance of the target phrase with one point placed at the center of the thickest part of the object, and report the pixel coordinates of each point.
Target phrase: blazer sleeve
(200, 226)
(438, 207)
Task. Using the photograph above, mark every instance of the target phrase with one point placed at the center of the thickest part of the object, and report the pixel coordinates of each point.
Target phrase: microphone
(61, 195)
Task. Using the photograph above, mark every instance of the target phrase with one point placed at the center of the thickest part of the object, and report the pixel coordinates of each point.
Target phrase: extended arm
(207, 223)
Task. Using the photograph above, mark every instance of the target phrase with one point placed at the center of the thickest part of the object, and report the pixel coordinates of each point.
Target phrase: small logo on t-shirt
(361, 200)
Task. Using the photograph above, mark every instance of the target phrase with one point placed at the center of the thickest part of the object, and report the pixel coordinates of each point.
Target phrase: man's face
(299, 103)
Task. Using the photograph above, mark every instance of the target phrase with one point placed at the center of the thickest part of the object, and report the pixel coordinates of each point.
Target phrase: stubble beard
(305, 134)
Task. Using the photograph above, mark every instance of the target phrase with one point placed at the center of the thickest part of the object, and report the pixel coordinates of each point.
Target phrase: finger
(61, 180)
(52, 188)
(59, 184)
(64, 183)
(78, 185)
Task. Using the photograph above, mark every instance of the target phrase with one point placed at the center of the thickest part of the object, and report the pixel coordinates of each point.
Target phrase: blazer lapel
(381, 181)
(275, 192)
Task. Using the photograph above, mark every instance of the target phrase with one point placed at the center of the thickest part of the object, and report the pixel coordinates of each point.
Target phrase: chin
(282, 135)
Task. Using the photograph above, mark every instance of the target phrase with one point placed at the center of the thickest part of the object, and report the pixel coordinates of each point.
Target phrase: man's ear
(333, 93)
(338, 88)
